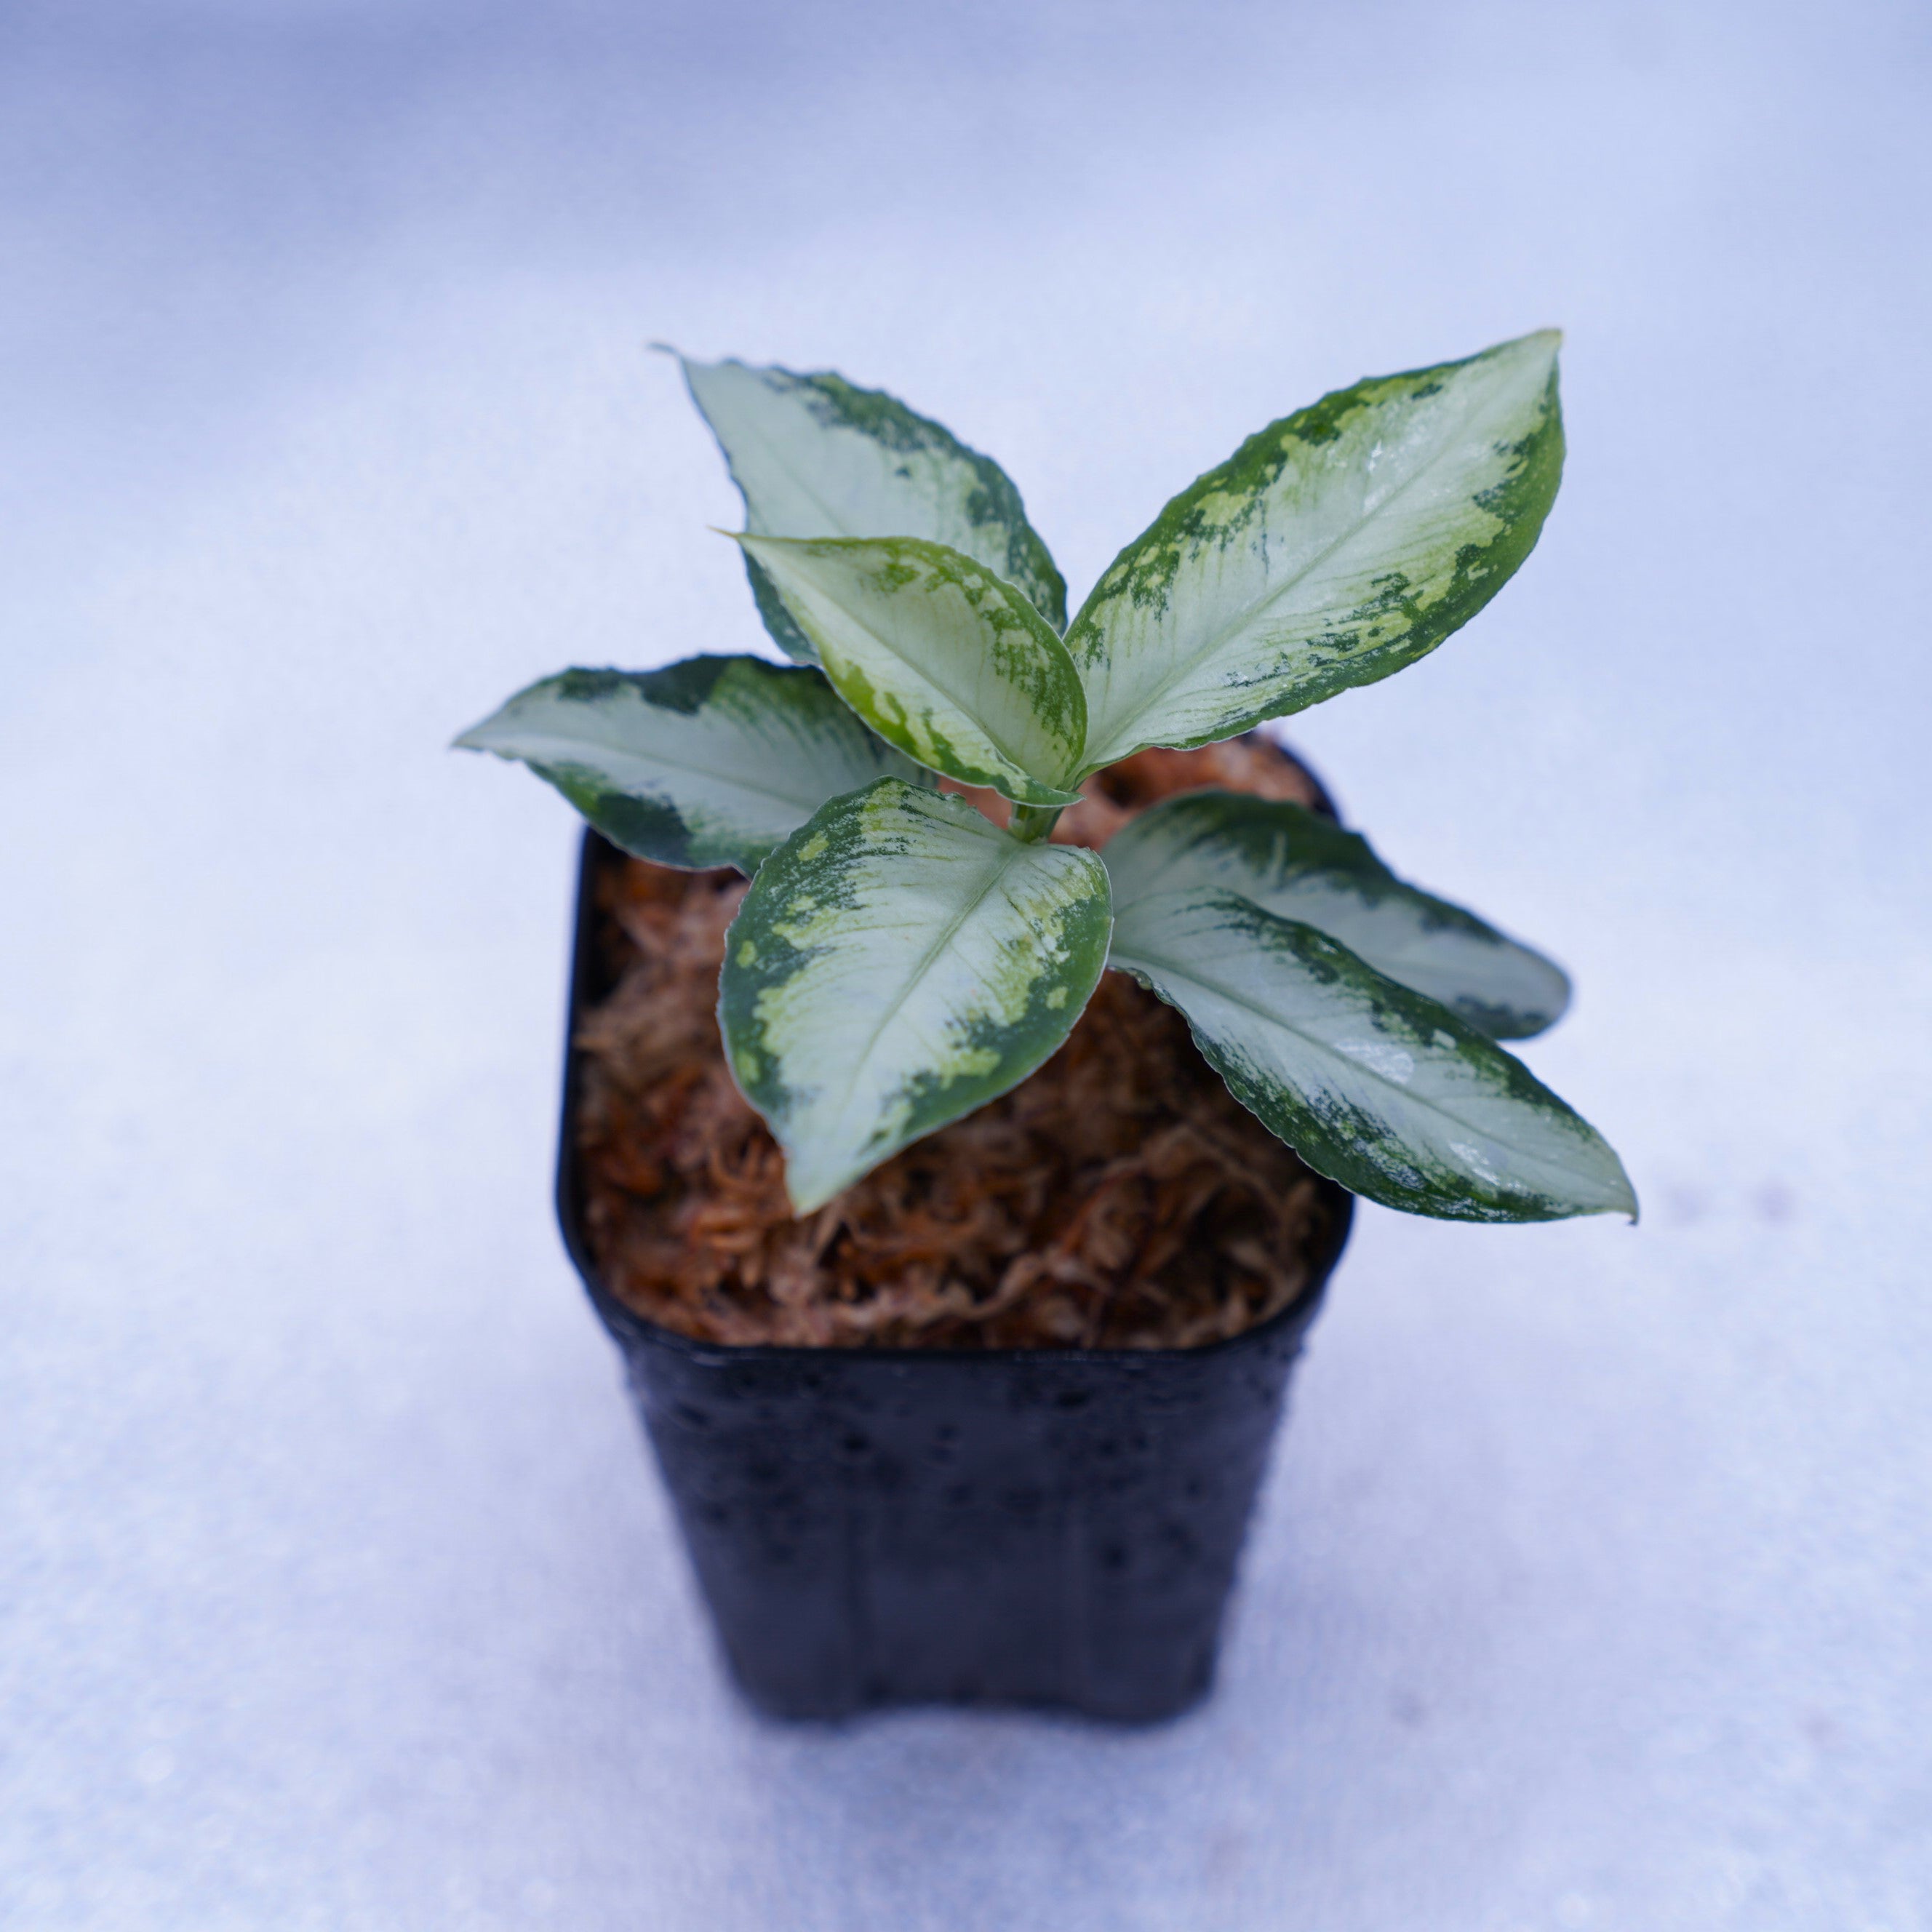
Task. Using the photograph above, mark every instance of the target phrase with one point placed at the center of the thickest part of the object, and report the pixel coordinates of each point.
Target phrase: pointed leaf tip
(1297, 864)
(816, 456)
(1374, 1085)
(1333, 548)
(709, 762)
(940, 655)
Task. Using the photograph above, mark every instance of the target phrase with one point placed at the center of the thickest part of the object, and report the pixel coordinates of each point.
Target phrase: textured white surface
(1594, 1589)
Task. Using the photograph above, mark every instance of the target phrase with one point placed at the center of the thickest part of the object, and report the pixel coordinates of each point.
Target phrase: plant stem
(1032, 823)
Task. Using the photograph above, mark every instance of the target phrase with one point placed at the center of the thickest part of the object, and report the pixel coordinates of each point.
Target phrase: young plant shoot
(899, 959)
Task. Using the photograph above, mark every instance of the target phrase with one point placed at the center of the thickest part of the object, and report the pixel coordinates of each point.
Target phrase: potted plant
(958, 1284)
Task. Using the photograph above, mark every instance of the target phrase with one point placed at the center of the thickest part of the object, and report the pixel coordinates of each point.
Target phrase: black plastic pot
(885, 1526)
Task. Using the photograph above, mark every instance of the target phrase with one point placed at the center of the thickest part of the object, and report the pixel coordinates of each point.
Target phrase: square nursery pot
(883, 1526)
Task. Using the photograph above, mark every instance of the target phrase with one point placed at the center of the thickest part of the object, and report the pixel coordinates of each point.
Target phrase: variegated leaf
(1336, 546)
(897, 962)
(940, 656)
(1298, 865)
(814, 457)
(709, 762)
(1373, 1084)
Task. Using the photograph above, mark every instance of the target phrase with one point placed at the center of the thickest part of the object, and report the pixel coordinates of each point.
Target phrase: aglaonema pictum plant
(899, 960)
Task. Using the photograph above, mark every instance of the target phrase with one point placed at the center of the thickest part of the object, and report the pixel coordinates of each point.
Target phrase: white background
(1594, 1587)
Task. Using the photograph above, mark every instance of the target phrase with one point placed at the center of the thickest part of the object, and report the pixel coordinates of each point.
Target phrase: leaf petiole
(1031, 823)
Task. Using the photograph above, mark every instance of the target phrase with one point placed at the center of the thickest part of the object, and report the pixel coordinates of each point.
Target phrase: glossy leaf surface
(1333, 548)
(897, 962)
(815, 456)
(710, 762)
(1298, 865)
(1373, 1084)
(939, 656)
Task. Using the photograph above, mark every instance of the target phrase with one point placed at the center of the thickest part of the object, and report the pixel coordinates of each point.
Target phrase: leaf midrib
(776, 451)
(953, 460)
(810, 804)
(1241, 1000)
(1371, 892)
(1486, 965)
(1002, 861)
(958, 702)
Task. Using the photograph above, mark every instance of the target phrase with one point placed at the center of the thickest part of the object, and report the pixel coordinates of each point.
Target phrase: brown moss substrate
(1118, 1197)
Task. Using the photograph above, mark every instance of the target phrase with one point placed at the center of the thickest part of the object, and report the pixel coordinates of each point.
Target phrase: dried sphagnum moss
(1118, 1197)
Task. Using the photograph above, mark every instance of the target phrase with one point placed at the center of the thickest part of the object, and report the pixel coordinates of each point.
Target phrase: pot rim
(596, 850)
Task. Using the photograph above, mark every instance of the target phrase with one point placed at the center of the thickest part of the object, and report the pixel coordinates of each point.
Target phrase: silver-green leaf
(814, 456)
(898, 961)
(710, 762)
(1298, 865)
(1373, 1083)
(940, 655)
(1333, 548)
